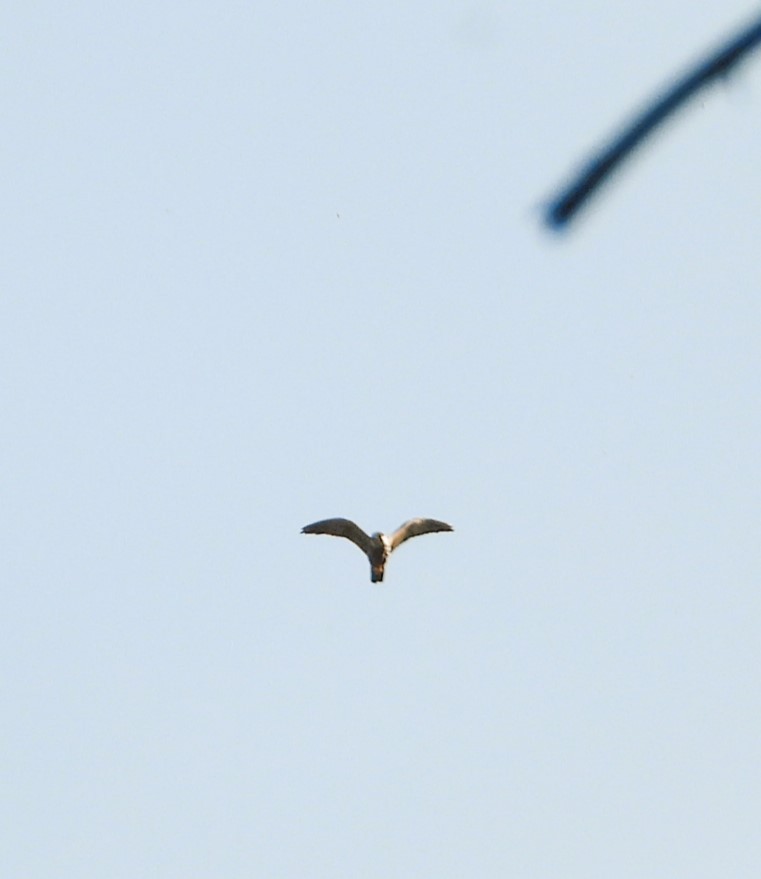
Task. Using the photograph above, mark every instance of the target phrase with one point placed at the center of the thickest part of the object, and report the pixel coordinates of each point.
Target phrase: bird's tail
(376, 575)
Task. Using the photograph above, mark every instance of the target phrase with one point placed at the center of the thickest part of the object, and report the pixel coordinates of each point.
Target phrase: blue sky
(263, 266)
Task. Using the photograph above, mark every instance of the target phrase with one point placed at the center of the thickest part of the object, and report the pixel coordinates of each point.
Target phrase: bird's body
(377, 547)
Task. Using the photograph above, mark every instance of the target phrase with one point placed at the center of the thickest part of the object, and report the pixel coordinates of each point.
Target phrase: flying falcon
(377, 547)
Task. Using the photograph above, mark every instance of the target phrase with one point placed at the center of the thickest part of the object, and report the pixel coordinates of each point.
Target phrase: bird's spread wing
(340, 528)
(415, 527)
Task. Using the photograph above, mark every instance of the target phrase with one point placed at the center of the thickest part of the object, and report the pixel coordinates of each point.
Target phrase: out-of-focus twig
(564, 206)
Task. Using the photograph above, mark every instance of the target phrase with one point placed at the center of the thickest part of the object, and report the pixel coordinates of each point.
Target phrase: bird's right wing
(341, 528)
(415, 527)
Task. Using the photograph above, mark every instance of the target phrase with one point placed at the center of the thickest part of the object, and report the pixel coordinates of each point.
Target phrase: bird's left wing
(341, 528)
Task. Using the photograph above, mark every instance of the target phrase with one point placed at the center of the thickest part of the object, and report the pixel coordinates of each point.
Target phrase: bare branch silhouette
(573, 197)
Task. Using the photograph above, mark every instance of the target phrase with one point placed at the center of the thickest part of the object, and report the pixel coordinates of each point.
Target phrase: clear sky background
(265, 263)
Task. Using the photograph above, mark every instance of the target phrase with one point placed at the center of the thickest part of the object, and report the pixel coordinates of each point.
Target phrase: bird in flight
(377, 547)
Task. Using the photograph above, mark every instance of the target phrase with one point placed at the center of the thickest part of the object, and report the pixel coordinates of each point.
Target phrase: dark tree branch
(573, 197)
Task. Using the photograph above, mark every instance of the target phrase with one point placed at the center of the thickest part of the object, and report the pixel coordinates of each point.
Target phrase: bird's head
(381, 540)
